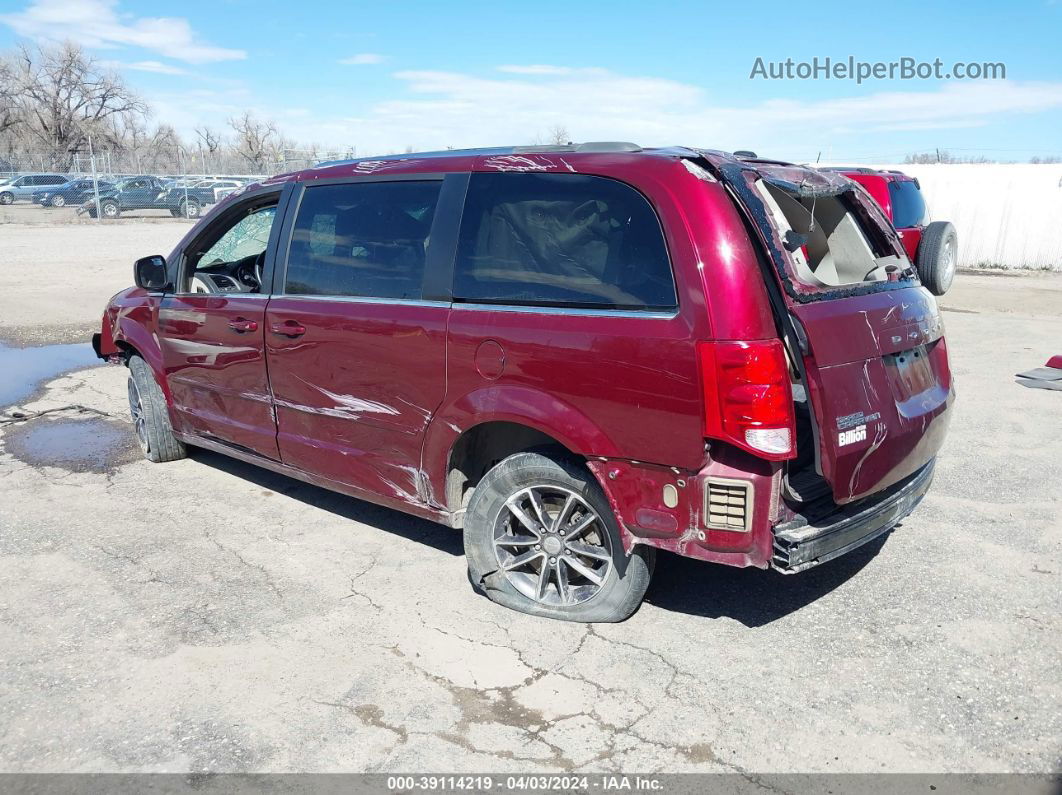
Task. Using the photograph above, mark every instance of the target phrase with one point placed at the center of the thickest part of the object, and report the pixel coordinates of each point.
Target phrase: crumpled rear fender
(508, 403)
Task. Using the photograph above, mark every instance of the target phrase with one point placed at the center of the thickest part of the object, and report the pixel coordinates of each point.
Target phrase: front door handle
(289, 328)
(241, 325)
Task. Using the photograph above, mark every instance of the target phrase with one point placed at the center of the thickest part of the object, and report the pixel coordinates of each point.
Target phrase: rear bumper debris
(807, 541)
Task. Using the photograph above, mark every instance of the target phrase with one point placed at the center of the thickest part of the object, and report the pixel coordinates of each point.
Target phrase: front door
(211, 330)
(356, 354)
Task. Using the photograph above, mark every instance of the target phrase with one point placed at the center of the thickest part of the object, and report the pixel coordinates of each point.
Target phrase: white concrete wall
(1007, 215)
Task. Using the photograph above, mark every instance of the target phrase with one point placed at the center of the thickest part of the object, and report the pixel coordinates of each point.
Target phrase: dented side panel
(354, 394)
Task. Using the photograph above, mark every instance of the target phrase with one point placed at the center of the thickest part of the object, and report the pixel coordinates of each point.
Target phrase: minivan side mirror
(149, 273)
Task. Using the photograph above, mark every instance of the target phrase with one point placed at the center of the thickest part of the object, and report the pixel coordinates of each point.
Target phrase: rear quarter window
(561, 240)
(908, 206)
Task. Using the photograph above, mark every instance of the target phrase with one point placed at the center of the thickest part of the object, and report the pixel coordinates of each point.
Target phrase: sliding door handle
(289, 328)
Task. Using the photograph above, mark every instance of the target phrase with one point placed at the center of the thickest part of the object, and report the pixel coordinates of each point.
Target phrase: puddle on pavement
(92, 445)
(24, 370)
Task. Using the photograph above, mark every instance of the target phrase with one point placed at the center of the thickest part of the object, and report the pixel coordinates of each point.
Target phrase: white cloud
(157, 67)
(441, 109)
(536, 69)
(362, 59)
(97, 23)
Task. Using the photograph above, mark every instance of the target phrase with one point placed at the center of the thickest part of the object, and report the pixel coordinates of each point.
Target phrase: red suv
(577, 354)
(932, 247)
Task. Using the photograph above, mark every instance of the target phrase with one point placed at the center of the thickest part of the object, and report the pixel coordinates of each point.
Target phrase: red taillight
(748, 400)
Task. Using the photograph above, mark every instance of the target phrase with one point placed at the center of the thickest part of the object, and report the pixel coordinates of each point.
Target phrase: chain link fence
(105, 184)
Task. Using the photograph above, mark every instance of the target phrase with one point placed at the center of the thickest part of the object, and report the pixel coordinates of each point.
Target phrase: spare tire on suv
(936, 258)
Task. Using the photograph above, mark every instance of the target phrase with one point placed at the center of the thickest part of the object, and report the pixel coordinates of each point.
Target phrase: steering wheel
(258, 262)
(248, 271)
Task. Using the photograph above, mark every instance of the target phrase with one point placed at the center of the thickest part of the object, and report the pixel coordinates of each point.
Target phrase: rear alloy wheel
(109, 209)
(58, 201)
(151, 420)
(541, 538)
(551, 546)
(937, 256)
(6, 198)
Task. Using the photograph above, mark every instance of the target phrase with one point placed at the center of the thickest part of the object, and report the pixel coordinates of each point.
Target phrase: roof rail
(591, 146)
(857, 169)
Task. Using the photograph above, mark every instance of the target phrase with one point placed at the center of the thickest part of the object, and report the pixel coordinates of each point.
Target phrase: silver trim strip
(359, 299)
(562, 310)
(218, 294)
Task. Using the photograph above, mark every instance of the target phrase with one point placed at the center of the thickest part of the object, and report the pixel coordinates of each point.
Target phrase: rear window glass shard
(566, 240)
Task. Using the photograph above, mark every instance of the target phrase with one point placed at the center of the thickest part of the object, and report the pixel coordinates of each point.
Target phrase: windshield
(908, 206)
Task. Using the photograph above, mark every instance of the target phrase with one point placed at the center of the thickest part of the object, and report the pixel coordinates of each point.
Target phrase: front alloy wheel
(552, 546)
(136, 411)
(58, 201)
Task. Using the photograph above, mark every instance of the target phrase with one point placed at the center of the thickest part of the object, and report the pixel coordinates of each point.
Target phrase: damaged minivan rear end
(866, 357)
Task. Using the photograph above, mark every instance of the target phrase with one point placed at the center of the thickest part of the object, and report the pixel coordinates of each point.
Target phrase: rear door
(356, 334)
(871, 343)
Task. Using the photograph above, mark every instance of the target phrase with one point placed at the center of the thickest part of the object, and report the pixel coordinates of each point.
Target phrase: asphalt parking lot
(208, 616)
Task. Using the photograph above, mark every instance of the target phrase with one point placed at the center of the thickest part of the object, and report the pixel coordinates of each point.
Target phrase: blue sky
(384, 76)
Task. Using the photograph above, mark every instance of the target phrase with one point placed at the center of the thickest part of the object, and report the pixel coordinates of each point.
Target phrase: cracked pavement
(205, 615)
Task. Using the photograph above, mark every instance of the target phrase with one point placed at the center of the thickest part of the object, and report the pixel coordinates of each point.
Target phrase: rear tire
(151, 420)
(574, 565)
(937, 254)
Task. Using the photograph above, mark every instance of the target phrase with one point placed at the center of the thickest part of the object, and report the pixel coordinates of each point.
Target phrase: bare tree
(8, 112)
(63, 96)
(258, 142)
(558, 134)
(209, 139)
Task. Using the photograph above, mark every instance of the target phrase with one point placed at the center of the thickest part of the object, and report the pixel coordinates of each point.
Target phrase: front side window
(231, 255)
(561, 240)
(366, 239)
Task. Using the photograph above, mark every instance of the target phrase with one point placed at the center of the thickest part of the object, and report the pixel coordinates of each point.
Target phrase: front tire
(541, 538)
(58, 201)
(7, 198)
(110, 209)
(151, 420)
(937, 256)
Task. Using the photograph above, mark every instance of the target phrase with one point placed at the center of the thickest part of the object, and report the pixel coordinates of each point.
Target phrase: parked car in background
(577, 354)
(22, 188)
(132, 193)
(931, 246)
(74, 192)
(210, 191)
(154, 193)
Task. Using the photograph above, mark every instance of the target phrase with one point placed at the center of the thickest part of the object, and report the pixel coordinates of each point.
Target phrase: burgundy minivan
(578, 354)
